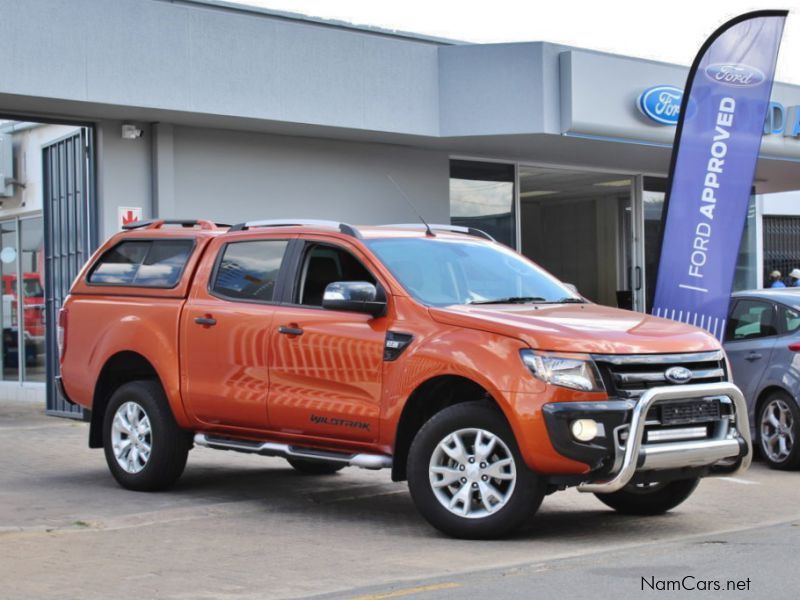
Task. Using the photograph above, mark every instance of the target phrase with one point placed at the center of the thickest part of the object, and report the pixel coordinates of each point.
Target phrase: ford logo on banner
(662, 103)
(733, 74)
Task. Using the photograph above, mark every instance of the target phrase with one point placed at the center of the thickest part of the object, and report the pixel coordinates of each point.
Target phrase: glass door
(581, 226)
(9, 308)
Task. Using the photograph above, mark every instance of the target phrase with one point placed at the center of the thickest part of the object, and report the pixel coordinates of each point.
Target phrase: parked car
(436, 352)
(762, 340)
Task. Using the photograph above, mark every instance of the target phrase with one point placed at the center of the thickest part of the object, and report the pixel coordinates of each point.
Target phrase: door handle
(753, 356)
(638, 284)
(206, 321)
(290, 330)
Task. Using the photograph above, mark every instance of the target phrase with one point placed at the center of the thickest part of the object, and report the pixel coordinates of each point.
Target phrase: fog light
(584, 430)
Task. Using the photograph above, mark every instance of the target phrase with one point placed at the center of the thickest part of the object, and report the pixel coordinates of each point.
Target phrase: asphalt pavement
(248, 527)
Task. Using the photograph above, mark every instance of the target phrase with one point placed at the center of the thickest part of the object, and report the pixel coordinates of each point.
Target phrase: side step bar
(364, 461)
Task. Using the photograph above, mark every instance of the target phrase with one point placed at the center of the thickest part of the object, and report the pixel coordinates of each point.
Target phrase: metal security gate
(69, 222)
(781, 245)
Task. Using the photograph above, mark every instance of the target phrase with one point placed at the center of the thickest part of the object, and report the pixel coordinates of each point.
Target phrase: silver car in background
(762, 340)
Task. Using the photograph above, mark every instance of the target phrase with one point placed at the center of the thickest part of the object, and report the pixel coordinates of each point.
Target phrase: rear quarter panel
(101, 326)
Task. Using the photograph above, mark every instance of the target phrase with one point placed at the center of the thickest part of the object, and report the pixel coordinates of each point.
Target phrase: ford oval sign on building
(662, 103)
(736, 75)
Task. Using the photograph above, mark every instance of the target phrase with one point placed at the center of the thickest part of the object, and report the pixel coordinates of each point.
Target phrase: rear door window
(248, 271)
(143, 263)
(790, 319)
(751, 319)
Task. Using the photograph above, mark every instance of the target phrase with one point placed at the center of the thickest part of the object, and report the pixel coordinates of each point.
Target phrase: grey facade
(247, 113)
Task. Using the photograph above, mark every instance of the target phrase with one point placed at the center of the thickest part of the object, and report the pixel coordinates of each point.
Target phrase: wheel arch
(428, 398)
(121, 368)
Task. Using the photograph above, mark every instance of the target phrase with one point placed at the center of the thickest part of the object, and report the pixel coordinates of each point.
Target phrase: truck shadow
(385, 507)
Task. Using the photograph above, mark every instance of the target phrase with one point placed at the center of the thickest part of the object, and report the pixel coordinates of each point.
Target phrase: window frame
(280, 279)
(303, 247)
(150, 240)
(729, 328)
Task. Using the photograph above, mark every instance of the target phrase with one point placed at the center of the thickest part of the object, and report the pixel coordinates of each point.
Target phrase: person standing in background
(794, 278)
(775, 280)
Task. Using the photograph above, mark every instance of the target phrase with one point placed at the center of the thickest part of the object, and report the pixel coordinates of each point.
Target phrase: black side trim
(395, 344)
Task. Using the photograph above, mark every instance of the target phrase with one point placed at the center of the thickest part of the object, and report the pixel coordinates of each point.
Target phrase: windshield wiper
(568, 301)
(510, 300)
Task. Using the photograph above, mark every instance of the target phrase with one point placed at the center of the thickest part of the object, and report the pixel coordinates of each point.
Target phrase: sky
(665, 30)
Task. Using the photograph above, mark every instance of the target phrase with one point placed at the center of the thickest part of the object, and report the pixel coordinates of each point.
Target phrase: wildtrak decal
(336, 422)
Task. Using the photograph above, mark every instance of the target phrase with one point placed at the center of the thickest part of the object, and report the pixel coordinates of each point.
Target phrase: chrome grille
(629, 375)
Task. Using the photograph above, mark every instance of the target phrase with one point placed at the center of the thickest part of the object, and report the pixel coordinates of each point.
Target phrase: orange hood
(580, 328)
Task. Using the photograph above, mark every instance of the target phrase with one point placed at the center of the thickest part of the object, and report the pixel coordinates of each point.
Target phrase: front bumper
(615, 463)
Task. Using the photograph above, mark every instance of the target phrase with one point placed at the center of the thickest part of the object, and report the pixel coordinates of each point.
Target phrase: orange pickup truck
(433, 351)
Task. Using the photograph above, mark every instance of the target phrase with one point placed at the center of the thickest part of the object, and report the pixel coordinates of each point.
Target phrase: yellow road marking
(408, 591)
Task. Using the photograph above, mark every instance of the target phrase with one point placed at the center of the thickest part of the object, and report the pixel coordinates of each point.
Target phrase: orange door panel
(325, 373)
(224, 348)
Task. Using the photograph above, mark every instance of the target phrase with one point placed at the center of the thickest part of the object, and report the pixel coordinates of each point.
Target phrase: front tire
(467, 477)
(778, 431)
(649, 499)
(144, 447)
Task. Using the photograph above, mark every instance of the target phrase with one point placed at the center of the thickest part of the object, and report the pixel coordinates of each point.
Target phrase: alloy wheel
(472, 473)
(131, 437)
(777, 430)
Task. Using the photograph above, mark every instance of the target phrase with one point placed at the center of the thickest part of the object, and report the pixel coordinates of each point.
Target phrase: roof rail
(343, 227)
(159, 223)
(450, 228)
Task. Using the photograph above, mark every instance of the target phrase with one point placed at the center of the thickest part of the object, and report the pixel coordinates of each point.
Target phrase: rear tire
(778, 423)
(315, 467)
(647, 500)
(467, 477)
(144, 447)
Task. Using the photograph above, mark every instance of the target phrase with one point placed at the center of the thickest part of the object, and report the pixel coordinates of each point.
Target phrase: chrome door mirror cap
(355, 296)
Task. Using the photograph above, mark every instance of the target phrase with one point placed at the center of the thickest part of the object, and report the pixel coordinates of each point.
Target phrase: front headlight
(575, 371)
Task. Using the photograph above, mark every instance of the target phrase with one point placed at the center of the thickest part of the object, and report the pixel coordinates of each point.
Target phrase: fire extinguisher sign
(128, 214)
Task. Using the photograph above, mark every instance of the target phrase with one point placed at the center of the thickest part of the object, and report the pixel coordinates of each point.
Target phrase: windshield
(31, 288)
(440, 272)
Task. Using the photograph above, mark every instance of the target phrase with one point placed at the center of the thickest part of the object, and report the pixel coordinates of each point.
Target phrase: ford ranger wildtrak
(433, 351)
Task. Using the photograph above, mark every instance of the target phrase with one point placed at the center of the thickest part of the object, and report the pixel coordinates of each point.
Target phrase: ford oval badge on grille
(678, 374)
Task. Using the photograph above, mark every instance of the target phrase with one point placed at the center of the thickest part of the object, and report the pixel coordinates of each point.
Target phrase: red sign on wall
(128, 214)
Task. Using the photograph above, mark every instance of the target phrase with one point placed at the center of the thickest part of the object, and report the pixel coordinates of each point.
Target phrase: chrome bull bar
(678, 454)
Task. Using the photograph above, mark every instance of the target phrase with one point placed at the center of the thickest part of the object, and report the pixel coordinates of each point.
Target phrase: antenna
(428, 230)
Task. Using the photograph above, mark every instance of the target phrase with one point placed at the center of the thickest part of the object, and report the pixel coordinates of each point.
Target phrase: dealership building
(122, 109)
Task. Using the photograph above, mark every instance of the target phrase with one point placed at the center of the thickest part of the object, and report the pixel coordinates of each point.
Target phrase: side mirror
(572, 288)
(355, 296)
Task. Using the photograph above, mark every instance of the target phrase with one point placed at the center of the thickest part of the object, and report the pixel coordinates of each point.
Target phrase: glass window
(790, 319)
(9, 308)
(249, 270)
(440, 272)
(143, 263)
(324, 265)
(482, 196)
(33, 305)
(751, 319)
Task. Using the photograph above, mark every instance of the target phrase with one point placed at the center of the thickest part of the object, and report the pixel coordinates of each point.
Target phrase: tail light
(795, 347)
(61, 333)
